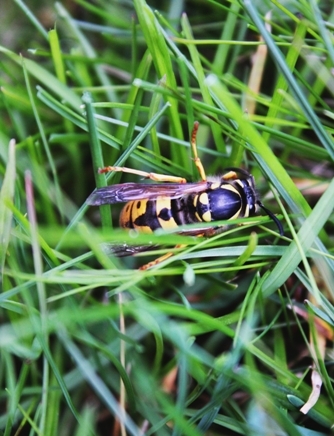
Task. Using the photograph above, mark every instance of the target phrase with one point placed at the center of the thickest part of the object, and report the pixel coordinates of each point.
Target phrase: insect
(176, 203)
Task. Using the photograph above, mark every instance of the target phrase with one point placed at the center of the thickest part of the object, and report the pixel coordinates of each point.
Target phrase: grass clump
(224, 337)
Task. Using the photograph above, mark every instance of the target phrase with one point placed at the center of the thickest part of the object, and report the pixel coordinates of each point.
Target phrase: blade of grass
(38, 265)
(139, 138)
(78, 120)
(306, 237)
(56, 55)
(325, 33)
(97, 384)
(281, 84)
(200, 77)
(32, 18)
(95, 147)
(295, 89)
(7, 195)
(134, 99)
(223, 51)
(45, 77)
(57, 189)
(162, 60)
(90, 52)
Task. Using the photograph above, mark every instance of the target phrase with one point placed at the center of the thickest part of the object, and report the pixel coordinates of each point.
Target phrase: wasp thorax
(225, 203)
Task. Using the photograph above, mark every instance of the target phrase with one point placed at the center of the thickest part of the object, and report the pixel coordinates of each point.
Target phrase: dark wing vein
(139, 191)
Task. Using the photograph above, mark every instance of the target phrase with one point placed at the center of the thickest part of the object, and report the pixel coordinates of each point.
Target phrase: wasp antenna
(273, 217)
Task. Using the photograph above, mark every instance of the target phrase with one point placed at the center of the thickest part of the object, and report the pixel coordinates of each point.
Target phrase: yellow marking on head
(230, 188)
(207, 216)
(215, 185)
(239, 182)
(203, 198)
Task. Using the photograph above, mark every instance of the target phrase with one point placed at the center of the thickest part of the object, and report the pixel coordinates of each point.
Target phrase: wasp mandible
(174, 202)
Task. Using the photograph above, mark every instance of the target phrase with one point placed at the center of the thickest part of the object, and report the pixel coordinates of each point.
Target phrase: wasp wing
(123, 250)
(124, 192)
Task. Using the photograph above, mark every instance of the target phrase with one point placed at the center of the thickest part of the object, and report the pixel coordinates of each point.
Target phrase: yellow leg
(231, 175)
(160, 259)
(197, 160)
(153, 176)
(162, 177)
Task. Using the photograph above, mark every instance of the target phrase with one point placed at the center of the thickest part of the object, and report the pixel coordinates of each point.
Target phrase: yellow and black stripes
(220, 201)
(148, 215)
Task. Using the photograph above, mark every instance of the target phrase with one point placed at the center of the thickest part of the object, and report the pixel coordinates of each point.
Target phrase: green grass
(205, 343)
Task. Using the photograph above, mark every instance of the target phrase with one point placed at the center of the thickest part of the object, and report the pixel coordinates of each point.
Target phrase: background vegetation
(227, 336)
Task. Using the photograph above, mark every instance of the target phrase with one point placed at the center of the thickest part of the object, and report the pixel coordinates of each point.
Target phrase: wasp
(174, 202)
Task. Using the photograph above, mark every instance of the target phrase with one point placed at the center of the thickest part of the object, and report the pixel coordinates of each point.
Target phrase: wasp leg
(197, 160)
(207, 233)
(153, 176)
(231, 175)
(160, 259)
